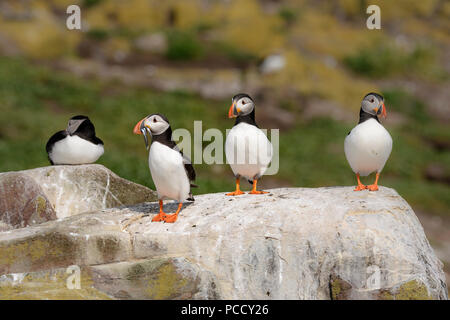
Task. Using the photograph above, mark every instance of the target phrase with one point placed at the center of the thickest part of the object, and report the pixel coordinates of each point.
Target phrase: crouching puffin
(247, 149)
(171, 171)
(75, 145)
(368, 146)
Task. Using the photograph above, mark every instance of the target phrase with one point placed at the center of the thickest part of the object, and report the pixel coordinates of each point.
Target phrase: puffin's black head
(373, 104)
(241, 104)
(80, 125)
(154, 124)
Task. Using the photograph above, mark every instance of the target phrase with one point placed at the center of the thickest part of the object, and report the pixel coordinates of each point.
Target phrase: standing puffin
(368, 146)
(247, 149)
(75, 145)
(171, 171)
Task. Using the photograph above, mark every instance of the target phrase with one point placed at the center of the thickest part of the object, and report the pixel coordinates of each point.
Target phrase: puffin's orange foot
(372, 187)
(159, 217)
(257, 192)
(235, 193)
(360, 187)
(171, 218)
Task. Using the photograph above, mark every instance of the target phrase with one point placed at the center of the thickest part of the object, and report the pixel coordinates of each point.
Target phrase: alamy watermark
(73, 281)
(73, 21)
(374, 20)
(250, 151)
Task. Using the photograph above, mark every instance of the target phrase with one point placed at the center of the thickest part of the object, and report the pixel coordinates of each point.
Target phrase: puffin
(171, 171)
(368, 145)
(247, 149)
(78, 144)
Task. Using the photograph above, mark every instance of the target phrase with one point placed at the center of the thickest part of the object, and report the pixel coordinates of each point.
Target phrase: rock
(293, 243)
(157, 279)
(22, 202)
(209, 83)
(152, 43)
(75, 189)
(173, 278)
(272, 64)
(437, 173)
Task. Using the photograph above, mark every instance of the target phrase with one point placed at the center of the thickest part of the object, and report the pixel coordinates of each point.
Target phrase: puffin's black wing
(97, 141)
(190, 173)
(51, 142)
(187, 164)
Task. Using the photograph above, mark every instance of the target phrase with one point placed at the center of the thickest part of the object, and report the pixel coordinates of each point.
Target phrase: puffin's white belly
(368, 147)
(75, 150)
(168, 173)
(248, 151)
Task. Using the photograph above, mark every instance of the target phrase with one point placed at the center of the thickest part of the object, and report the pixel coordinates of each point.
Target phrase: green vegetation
(383, 60)
(183, 45)
(35, 102)
(288, 15)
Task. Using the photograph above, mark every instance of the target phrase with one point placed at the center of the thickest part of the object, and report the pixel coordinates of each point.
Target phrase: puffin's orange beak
(383, 112)
(137, 127)
(231, 113)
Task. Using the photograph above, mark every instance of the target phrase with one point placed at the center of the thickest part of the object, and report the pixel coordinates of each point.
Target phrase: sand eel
(75, 145)
(171, 171)
(247, 149)
(368, 146)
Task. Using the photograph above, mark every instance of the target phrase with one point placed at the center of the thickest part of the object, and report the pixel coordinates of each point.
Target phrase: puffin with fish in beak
(171, 171)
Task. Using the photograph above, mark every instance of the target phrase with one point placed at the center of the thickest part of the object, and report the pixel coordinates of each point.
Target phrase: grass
(384, 60)
(183, 45)
(35, 102)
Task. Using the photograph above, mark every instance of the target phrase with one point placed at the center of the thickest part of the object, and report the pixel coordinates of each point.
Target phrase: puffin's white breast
(75, 150)
(368, 147)
(248, 151)
(168, 173)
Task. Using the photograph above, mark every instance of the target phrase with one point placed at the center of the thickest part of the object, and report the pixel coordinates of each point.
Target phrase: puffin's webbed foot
(159, 217)
(374, 186)
(171, 218)
(235, 193)
(238, 191)
(360, 186)
(257, 192)
(254, 191)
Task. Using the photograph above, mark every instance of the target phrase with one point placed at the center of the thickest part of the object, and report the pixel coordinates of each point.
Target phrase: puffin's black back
(86, 131)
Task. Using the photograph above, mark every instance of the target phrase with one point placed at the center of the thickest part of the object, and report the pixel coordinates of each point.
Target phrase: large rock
(22, 202)
(324, 243)
(75, 189)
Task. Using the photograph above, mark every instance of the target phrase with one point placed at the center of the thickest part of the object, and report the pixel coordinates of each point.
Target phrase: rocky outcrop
(22, 202)
(70, 190)
(324, 243)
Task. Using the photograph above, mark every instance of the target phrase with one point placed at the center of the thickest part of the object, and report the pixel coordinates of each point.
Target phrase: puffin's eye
(154, 119)
(372, 100)
(243, 102)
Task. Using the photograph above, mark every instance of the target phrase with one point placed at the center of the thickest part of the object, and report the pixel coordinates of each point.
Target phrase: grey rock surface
(293, 243)
(22, 202)
(75, 189)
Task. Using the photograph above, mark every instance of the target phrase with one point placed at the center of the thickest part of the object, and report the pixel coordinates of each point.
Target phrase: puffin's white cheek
(246, 108)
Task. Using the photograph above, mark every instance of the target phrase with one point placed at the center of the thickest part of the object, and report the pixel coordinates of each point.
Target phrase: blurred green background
(306, 63)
